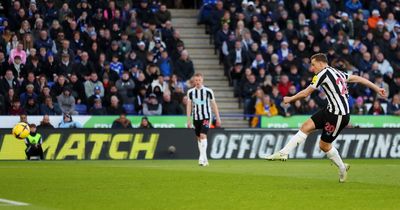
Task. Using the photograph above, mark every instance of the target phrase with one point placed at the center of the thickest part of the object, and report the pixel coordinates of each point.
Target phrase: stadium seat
(81, 109)
(129, 108)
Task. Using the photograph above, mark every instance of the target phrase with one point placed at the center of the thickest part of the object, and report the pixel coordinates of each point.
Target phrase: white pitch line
(14, 203)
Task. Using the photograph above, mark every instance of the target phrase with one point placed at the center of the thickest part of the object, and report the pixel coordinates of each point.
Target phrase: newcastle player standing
(200, 101)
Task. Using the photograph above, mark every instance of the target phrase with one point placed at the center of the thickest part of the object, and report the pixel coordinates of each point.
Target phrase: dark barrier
(352, 143)
(93, 144)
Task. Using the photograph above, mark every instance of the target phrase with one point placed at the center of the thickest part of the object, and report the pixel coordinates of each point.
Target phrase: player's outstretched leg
(283, 154)
(297, 139)
(333, 155)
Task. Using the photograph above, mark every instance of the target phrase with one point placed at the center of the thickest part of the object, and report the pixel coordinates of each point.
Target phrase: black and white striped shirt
(334, 83)
(201, 106)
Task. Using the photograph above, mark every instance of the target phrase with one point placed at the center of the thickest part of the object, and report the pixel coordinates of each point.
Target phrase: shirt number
(343, 83)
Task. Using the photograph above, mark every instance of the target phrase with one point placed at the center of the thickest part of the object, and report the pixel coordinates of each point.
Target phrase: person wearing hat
(66, 101)
(98, 108)
(29, 93)
(34, 143)
(141, 51)
(65, 67)
(374, 19)
(91, 99)
(67, 122)
(359, 107)
(346, 24)
(152, 106)
(31, 107)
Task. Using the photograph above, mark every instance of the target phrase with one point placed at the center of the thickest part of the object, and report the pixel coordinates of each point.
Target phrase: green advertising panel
(365, 121)
(156, 121)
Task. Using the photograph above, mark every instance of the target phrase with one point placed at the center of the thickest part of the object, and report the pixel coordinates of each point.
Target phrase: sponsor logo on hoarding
(227, 145)
(91, 146)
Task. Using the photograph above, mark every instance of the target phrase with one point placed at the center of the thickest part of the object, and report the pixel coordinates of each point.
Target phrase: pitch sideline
(13, 203)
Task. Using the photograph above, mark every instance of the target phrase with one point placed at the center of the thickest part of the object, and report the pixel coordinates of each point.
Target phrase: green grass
(181, 184)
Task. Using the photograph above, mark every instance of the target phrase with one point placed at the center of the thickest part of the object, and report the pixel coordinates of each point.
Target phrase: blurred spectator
(28, 94)
(298, 108)
(374, 19)
(165, 64)
(16, 108)
(92, 84)
(152, 106)
(8, 82)
(170, 107)
(284, 85)
(248, 89)
(395, 86)
(394, 106)
(376, 109)
(265, 107)
(286, 109)
(145, 123)
(18, 51)
(31, 107)
(45, 123)
(125, 87)
(23, 118)
(359, 107)
(50, 108)
(97, 108)
(67, 122)
(67, 102)
(122, 122)
(380, 83)
(312, 107)
(184, 67)
(115, 108)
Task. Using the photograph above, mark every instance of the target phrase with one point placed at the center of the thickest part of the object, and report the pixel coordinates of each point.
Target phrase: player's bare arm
(365, 82)
(216, 111)
(300, 95)
(189, 113)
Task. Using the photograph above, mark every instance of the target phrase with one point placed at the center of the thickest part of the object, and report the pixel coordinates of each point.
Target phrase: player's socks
(201, 153)
(204, 150)
(297, 139)
(333, 154)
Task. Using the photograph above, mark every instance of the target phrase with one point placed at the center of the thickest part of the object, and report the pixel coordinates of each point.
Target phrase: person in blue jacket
(67, 122)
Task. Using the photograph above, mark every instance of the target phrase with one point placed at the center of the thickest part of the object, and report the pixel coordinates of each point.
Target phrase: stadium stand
(266, 45)
(262, 48)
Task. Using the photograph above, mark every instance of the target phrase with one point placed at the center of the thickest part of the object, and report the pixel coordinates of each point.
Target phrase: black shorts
(201, 126)
(330, 124)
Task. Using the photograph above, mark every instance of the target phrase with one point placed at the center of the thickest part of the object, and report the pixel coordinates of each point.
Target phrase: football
(21, 130)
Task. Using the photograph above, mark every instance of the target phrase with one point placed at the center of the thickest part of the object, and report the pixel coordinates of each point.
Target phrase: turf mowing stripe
(13, 203)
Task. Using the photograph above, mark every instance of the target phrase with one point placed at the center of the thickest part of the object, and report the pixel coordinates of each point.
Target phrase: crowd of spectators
(91, 57)
(265, 48)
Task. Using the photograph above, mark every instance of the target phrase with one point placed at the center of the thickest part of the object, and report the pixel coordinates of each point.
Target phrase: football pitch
(181, 184)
